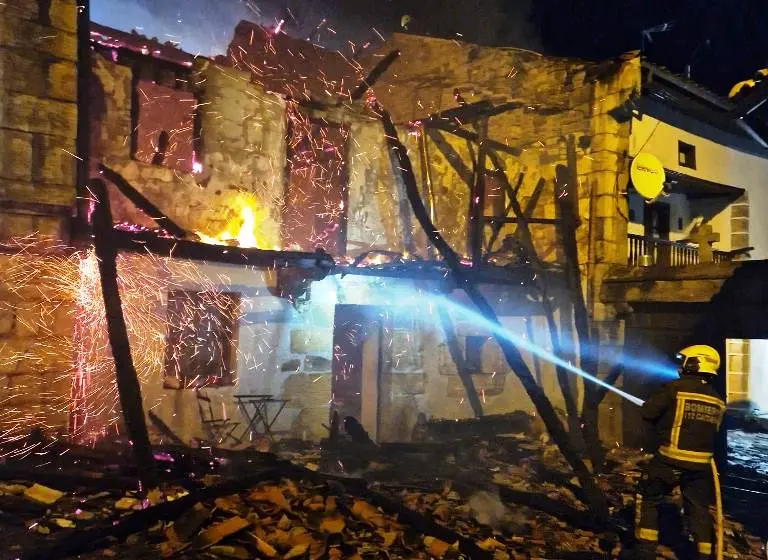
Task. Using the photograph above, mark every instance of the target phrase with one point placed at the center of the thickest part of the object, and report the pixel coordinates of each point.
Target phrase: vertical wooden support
(128, 386)
(83, 113)
(370, 406)
(567, 200)
(477, 198)
(402, 166)
(465, 376)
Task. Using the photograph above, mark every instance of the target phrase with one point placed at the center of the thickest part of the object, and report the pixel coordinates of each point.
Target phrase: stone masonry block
(63, 318)
(737, 346)
(739, 240)
(605, 142)
(737, 381)
(24, 191)
(15, 155)
(63, 15)
(605, 206)
(738, 363)
(62, 81)
(27, 9)
(32, 36)
(25, 390)
(739, 225)
(30, 114)
(48, 354)
(51, 226)
(22, 72)
(740, 210)
(7, 321)
(56, 161)
(12, 353)
(27, 321)
(18, 225)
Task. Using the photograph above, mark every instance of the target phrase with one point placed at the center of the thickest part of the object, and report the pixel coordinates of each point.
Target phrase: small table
(256, 410)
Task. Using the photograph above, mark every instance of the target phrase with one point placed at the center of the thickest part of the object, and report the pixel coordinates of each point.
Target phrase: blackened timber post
(477, 198)
(128, 387)
(402, 166)
(83, 112)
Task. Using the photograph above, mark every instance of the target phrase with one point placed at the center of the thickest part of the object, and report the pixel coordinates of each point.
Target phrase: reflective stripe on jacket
(687, 414)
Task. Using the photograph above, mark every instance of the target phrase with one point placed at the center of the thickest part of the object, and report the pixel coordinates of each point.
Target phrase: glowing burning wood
(242, 232)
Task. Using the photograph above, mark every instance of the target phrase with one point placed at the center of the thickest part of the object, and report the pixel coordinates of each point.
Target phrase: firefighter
(686, 415)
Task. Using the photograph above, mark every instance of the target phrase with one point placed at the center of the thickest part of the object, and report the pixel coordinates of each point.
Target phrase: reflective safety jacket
(687, 414)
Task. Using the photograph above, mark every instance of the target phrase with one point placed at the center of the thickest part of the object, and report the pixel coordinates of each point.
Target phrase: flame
(244, 232)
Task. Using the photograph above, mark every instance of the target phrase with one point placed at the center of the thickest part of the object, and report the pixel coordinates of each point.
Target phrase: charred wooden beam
(462, 114)
(566, 201)
(374, 75)
(141, 202)
(508, 220)
(454, 348)
(477, 198)
(165, 429)
(497, 222)
(128, 386)
(483, 110)
(474, 137)
(451, 155)
(149, 242)
(595, 497)
(436, 271)
(526, 239)
(83, 110)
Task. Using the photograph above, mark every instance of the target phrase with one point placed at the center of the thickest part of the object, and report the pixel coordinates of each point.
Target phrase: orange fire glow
(243, 231)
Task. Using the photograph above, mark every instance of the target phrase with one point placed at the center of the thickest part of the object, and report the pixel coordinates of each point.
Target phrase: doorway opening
(746, 387)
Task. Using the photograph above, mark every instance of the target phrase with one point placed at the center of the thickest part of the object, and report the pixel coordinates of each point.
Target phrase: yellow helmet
(699, 359)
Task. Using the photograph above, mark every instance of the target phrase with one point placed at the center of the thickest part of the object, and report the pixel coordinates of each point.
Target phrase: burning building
(270, 248)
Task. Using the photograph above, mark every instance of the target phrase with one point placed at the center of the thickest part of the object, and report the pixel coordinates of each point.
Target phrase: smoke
(488, 509)
(206, 26)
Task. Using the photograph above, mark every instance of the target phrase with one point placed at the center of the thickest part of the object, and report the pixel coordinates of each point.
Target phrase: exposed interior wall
(429, 77)
(242, 140)
(286, 351)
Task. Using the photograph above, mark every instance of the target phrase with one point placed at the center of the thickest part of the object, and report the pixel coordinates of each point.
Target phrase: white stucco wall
(716, 163)
(758, 373)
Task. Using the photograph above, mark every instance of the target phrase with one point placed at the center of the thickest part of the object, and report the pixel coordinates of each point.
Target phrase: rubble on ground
(499, 497)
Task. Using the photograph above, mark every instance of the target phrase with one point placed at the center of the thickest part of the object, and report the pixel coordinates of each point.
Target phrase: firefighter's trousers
(659, 480)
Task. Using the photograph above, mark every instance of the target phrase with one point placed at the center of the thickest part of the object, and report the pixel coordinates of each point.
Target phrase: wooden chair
(218, 430)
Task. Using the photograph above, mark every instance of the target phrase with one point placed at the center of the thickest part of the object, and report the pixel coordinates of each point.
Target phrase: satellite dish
(647, 174)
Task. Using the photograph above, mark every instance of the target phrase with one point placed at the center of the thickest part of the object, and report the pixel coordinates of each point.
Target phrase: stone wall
(37, 292)
(557, 98)
(38, 116)
(38, 161)
(242, 155)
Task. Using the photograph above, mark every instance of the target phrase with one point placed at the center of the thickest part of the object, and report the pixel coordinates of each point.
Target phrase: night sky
(724, 40)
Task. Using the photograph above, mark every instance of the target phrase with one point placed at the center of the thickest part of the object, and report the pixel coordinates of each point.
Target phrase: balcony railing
(663, 252)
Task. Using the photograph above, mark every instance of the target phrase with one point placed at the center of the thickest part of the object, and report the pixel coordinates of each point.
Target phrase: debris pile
(499, 497)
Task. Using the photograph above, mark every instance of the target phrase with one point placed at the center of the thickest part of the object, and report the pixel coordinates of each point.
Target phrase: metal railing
(663, 252)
